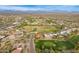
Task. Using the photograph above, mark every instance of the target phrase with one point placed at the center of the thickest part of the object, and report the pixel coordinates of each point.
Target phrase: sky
(68, 8)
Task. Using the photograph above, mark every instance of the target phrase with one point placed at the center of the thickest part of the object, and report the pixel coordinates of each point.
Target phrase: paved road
(31, 45)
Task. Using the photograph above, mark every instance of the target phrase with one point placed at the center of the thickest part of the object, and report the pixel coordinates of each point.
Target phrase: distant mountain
(34, 12)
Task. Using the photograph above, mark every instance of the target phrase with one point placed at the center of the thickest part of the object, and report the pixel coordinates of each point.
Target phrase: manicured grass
(57, 46)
